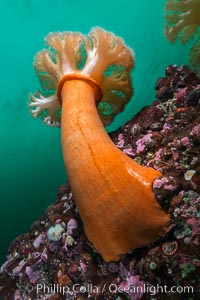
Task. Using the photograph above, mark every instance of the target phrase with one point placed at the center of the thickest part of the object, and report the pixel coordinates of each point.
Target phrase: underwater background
(31, 164)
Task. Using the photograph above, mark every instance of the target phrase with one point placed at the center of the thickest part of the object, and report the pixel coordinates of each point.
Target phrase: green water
(31, 166)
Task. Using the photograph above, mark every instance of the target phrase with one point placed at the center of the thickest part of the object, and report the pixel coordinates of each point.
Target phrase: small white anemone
(54, 233)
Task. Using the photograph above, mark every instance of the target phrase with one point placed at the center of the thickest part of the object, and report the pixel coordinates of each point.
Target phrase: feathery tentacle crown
(182, 22)
(100, 56)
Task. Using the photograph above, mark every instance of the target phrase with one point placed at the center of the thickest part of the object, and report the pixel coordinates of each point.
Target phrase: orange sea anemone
(91, 79)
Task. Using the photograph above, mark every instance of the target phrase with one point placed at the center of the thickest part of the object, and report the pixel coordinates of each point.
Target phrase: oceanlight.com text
(111, 288)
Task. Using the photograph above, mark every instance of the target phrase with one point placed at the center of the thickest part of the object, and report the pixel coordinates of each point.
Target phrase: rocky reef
(54, 260)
